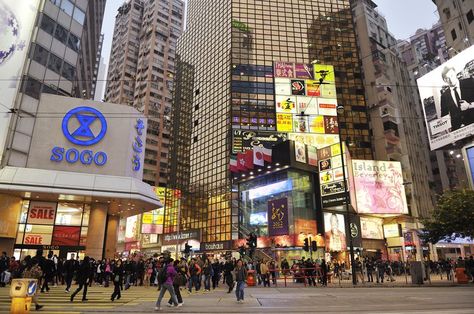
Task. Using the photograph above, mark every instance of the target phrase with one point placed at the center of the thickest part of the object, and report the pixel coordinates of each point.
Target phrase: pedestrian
(4, 261)
(229, 279)
(324, 273)
(240, 277)
(34, 271)
(369, 265)
(83, 275)
(47, 265)
(380, 271)
(265, 273)
(216, 270)
(117, 278)
(70, 266)
(194, 275)
(178, 281)
(208, 272)
(166, 278)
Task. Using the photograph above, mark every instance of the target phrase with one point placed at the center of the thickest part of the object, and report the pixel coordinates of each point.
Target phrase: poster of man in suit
(447, 94)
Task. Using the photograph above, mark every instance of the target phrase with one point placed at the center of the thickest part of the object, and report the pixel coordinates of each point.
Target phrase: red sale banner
(66, 236)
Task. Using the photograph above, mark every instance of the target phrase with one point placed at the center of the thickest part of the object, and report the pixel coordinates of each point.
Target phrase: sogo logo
(82, 136)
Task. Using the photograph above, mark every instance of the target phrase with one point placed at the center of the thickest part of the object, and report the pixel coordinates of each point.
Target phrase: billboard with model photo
(447, 94)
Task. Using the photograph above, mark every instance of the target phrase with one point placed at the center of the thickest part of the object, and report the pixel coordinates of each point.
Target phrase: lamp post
(340, 111)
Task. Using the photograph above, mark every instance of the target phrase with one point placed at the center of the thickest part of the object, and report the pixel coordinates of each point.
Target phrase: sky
(404, 17)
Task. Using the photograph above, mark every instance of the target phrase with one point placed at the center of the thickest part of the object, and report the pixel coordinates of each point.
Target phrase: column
(96, 232)
(10, 207)
(111, 236)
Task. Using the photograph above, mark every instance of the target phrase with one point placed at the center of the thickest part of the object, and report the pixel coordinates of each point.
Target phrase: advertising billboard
(245, 140)
(335, 232)
(379, 187)
(447, 95)
(17, 19)
(371, 228)
(278, 222)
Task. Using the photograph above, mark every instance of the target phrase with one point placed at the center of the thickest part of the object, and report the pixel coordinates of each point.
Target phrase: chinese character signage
(278, 217)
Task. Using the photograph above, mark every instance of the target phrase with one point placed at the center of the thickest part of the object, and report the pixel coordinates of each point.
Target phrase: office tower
(457, 18)
(231, 51)
(396, 123)
(141, 72)
(58, 42)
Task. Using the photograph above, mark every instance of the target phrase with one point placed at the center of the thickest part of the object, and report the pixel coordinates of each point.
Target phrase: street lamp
(340, 111)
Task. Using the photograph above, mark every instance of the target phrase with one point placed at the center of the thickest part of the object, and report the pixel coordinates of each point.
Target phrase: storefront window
(290, 189)
(83, 241)
(69, 214)
(24, 211)
(37, 234)
(85, 218)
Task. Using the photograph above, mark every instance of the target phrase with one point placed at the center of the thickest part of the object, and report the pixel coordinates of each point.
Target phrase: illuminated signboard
(379, 187)
(270, 189)
(447, 94)
(245, 140)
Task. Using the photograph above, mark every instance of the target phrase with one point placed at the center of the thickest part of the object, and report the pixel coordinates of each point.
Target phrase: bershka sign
(42, 213)
(171, 238)
(216, 246)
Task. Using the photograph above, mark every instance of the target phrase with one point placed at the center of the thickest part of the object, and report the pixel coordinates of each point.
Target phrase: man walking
(70, 266)
(240, 277)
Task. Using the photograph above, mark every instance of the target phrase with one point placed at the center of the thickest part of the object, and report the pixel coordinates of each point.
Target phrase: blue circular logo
(85, 117)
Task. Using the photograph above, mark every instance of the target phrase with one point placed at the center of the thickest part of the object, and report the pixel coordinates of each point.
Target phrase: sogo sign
(82, 136)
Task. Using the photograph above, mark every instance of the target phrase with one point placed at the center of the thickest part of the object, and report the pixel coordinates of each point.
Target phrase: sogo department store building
(84, 171)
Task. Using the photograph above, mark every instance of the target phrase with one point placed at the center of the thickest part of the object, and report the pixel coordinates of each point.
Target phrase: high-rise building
(457, 18)
(230, 52)
(141, 72)
(62, 38)
(422, 53)
(396, 121)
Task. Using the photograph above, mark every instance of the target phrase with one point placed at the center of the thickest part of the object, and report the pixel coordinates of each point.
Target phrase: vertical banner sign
(137, 145)
(278, 217)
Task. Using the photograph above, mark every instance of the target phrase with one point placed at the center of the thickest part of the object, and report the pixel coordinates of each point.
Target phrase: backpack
(34, 272)
(162, 275)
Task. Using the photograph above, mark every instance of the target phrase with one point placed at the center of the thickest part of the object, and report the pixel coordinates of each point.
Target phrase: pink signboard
(379, 187)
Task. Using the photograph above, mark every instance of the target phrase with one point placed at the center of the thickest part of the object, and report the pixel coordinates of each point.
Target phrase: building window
(47, 24)
(54, 64)
(68, 71)
(470, 16)
(73, 42)
(79, 16)
(67, 7)
(61, 34)
(40, 54)
(453, 34)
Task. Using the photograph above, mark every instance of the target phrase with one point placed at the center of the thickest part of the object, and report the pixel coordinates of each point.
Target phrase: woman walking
(169, 273)
(83, 275)
(117, 277)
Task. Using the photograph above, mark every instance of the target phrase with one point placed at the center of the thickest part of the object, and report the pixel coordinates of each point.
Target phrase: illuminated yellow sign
(284, 122)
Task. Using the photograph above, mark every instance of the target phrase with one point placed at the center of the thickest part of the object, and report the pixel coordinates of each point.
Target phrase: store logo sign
(79, 126)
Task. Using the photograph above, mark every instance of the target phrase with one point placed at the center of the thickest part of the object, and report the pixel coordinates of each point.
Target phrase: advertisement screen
(258, 219)
(447, 95)
(16, 23)
(391, 231)
(278, 217)
(371, 228)
(131, 232)
(379, 187)
(335, 232)
(270, 189)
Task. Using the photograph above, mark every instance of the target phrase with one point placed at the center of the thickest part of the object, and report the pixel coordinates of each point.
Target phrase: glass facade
(232, 51)
(297, 187)
(56, 226)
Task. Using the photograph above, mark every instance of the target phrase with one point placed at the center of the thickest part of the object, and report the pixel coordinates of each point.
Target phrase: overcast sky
(404, 17)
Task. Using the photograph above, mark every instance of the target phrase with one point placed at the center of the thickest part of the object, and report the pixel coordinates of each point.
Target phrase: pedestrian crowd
(197, 274)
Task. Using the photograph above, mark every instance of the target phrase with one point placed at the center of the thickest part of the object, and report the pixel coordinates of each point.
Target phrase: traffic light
(242, 250)
(314, 246)
(187, 248)
(306, 244)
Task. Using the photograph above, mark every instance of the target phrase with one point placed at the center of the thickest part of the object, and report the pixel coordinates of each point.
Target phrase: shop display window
(69, 214)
